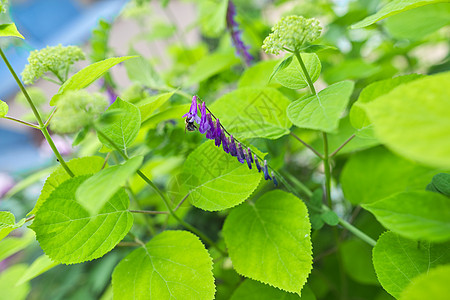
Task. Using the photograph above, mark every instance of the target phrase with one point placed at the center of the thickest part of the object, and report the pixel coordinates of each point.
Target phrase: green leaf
(398, 260)
(211, 65)
(212, 17)
(254, 290)
(330, 218)
(358, 116)
(139, 70)
(432, 285)
(440, 183)
(416, 215)
(12, 245)
(353, 69)
(253, 112)
(417, 124)
(259, 75)
(281, 66)
(8, 223)
(87, 75)
(270, 241)
(124, 130)
(365, 178)
(356, 257)
(68, 234)
(218, 180)
(417, 23)
(173, 265)
(98, 189)
(3, 109)
(292, 76)
(79, 166)
(148, 107)
(9, 285)
(10, 30)
(41, 265)
(392, 8)
(316, 48)
(321, 111)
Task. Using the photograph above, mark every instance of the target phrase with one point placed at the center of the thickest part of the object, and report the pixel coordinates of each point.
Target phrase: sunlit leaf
(291, 75)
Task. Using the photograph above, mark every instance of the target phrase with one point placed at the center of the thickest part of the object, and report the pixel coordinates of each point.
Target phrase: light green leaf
(8, 223)
(9, 285)
(365, 178)
(356, 257)
(440, 183)
(98, 189)
(358, 116)
(398, 260)
(12, 245)
(432, 285)
(79, 166)
(392, 8)
(41, 265)
(254, 290)
(68, 234)
(88, 75)
(316, 48)
(258, 75)
(353, 69)
(270, 241)
(253, 112)
(417, 125)
(417, 23)
(211, 65)
(281, 66)
(150, 105)
(212, 17)
(330, 217)
(123, 130)
(292, 75)
(321, 111)
(218, 180)
(3, 109)
(419, 215)
(10, 30)
(139, 70)
(173, 265)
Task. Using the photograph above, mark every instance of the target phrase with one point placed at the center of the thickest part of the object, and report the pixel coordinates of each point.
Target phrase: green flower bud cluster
(57, 60)
(292, 32)
(77, 109)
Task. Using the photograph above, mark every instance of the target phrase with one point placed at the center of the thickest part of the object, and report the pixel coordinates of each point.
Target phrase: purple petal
(211, 131)
(266, 171)
(218, 133)
(258, 166)
(204, 124)
(240, 154)
(225, 143)
(232, 146)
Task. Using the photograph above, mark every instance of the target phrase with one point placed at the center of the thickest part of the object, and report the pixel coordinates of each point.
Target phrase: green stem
(357, 232)
(162, 196)
(342, 146)
(326, 164)
(37, 115)
(306, 145)
(22, 122)
(308, 78)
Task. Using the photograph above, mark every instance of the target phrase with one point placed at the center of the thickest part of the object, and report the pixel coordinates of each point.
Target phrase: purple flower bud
(250, 154)
(275, 181)
(258, 166)
(240, 154)
(192, 115)
(218, 133)
(232, 147)
(225, 143)
(211, 131)
(248, 158)
(266, 171)
(204, 124)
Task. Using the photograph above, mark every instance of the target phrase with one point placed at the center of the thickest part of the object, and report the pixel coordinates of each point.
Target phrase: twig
(342, 146)
(306, 145)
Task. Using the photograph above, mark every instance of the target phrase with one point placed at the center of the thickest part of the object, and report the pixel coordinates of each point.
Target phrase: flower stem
(342, 146)
(306, 145)
(326, 164)
(37, 115)
(23, 122)
(308, 78)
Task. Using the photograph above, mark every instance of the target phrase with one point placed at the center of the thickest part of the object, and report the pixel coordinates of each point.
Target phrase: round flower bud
(292, 32)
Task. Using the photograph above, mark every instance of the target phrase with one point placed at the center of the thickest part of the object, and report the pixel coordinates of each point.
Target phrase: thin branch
(181, 202)
(35, 126)
(149, 212)
(29, 218)
(306, 145)
(50, 117)
(342, 146)
(128, 244)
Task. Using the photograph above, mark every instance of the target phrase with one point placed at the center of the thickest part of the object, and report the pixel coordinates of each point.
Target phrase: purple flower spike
(250, 154)
(211, 131)
(225, 143)
(218, 134)
(249, 159)
(266, 171)
(204, 124)
(192, 115)
(232, 146)
(236, 39)
(275, 181)
(258, 166)
(240, 154)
